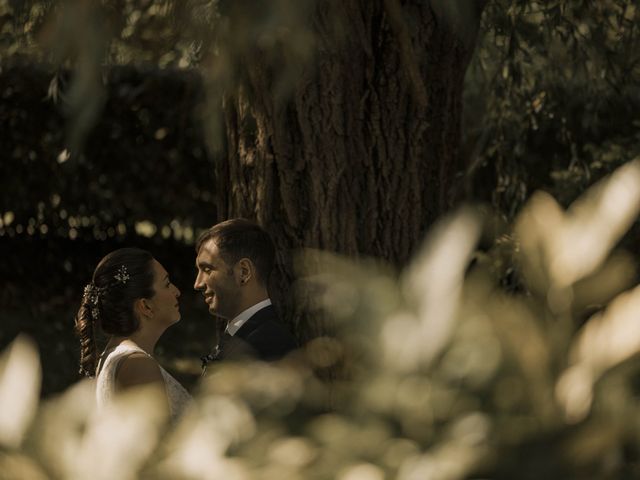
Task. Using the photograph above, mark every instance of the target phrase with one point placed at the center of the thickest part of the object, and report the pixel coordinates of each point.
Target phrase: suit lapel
(254, 321)
(229, 346)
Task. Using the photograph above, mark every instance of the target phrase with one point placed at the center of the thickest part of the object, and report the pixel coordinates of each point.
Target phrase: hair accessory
(91, 297)
(122, 275)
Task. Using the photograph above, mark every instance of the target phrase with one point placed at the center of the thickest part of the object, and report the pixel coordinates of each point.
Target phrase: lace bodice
(177, 396)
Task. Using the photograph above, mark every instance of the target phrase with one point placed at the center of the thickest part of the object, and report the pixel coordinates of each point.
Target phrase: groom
(234, 261)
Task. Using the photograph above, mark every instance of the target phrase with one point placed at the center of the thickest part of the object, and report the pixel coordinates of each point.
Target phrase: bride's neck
(144, 340)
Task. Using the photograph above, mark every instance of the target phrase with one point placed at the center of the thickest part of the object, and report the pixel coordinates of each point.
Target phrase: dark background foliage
(552, 99)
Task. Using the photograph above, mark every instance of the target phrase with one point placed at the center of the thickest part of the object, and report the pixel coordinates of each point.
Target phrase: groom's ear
(244, 271)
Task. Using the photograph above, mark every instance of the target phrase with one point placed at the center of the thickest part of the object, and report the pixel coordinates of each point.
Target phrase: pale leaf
(606, 340)
(433, 283)
(20, 377)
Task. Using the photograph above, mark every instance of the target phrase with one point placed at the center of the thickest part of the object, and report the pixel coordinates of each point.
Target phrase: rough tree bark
(362, 159)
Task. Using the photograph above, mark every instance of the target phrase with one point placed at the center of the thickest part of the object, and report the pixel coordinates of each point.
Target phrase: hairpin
(91, 296)
(122, 275)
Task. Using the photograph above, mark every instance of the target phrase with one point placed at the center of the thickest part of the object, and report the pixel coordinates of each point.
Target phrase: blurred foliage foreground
(452, 377)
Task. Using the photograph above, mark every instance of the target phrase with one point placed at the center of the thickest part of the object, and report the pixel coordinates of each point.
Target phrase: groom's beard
(226, 302)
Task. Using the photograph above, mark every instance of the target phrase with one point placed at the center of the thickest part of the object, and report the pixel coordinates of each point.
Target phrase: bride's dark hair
(121, 277)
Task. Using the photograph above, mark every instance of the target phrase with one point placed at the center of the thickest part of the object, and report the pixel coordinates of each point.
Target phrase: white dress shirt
(234, 325)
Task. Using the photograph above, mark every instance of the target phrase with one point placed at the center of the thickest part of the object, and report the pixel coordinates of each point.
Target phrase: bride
(131, 299)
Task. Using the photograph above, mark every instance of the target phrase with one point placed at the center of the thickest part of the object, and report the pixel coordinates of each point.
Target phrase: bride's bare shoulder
(138, 369)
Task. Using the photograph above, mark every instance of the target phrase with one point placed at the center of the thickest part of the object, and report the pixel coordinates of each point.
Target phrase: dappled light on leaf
(433, 283)
(354, 295)
(324, 351)
(401, 351)
(295, 452)
(607, 339)
(559, 249)
(15, 465)
(463, 448)
(77, 440)
(199, 444)
(575, 392)
(112, 444)
(20, 377)
(476, 352)
(362, 471)
(617, 274)
(61, 423)
(261, 385)
(528, 347)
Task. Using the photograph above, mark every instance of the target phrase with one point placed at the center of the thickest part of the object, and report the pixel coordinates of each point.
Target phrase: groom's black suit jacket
(261, 337)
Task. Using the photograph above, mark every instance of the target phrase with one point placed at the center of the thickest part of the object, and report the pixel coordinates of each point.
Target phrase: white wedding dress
(177, 396)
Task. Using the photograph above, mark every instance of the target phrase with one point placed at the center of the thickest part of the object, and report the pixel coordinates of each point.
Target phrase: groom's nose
(198, 283)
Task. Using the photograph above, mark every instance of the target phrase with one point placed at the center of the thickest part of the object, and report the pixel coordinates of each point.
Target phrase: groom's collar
(234, 325)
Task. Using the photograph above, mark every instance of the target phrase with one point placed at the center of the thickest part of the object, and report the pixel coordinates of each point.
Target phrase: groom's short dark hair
(241, 238)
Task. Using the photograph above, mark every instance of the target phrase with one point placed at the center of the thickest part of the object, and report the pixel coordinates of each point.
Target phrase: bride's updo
(121, 278)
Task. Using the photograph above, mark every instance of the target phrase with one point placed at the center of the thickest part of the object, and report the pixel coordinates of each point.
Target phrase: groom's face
(217, 282)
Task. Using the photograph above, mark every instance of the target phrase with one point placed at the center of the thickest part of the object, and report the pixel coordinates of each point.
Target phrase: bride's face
(164, 303)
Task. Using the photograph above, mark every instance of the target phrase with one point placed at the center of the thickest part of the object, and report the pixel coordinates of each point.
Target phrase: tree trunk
(362, 158)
